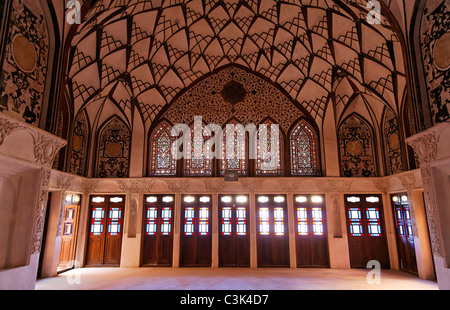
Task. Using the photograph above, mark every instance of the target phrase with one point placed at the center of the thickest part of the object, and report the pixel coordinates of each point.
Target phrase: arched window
(162, 152)
(356, 148)
(113, 150)
(234, 149)
(198, 155)
(269, 144)
(304, 150)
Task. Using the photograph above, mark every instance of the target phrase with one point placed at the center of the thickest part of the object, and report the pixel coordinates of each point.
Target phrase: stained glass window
(269, 150)
(203, 226)
(234, 149)
(278, 218)
(373, 222)
(264, 226)
(198, 159)
(166, 221)
(114, 221)
(163, 159)
(241, 221)
(152, 217)
(304, 150)
(310, 215)
(226, 221)
(97, 221)
(317, 219)
(302, 222)
(189, 221)
(355, 218)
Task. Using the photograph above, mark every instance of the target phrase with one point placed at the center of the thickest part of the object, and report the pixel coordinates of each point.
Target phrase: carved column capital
(425, 144)
(46, 145)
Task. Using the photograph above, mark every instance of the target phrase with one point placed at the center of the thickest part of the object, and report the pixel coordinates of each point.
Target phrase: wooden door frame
(365, 238)
(234, 237)
(196, 222)
(144, 220)
(88, 230)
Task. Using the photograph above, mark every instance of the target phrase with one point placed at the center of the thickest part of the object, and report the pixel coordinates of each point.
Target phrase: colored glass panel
(355, 218)
(114, 221)
(373, 222)
(304, 153)
(97, 221)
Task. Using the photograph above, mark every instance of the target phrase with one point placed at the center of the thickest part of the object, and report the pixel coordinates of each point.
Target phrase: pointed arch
(113, 149)
(304, 150)
(356, 147)
(163, 160)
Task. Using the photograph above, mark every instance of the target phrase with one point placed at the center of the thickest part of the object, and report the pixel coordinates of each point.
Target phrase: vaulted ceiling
(134, 57)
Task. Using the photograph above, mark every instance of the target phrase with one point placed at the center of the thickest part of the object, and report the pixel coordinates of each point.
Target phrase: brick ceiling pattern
(139, 55)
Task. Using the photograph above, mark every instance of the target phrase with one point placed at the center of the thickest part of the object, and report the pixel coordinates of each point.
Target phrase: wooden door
(157, 245)
(272, 232)
(234, 237)
(104, 243)
(404, 233)
(366, 230)
(311, 237)
(196, 241)
(68, 236)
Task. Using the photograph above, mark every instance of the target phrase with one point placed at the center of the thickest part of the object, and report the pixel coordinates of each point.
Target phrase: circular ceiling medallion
(24, 53)
(354, 148)
(113, 149)
(441, 52)
(77, 143)
(233, 92)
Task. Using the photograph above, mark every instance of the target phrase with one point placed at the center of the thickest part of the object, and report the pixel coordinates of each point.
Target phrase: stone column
(432, 149)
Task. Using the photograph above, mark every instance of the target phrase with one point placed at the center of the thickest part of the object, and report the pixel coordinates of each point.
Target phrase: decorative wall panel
(113, 150)
(435, 43)
(257, 100)
(392, 143)
(80, 140)
(23, 75)
(356, 146)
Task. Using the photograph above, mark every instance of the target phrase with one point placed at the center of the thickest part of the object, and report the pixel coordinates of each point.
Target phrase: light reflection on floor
(231, 279)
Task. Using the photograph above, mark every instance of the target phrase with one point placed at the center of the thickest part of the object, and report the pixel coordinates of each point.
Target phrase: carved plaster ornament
(178, 185)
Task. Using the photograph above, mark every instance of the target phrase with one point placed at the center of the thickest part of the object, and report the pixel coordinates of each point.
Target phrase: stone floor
(230, 279)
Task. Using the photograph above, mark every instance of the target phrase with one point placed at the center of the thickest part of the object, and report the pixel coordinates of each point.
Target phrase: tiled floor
(230, 279)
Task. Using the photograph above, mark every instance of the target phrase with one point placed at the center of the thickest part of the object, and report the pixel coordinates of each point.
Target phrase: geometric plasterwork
(139, 55)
